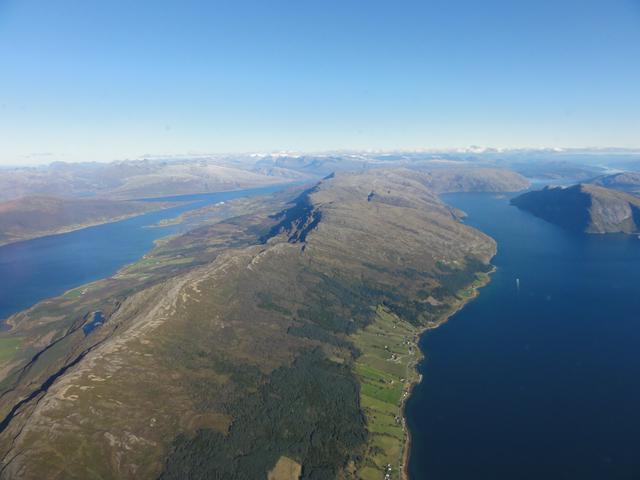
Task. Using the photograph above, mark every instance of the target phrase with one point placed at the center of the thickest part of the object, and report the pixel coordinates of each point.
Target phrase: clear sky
(111, 79)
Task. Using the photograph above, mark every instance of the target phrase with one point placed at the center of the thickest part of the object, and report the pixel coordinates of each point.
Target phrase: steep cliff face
(584, 208)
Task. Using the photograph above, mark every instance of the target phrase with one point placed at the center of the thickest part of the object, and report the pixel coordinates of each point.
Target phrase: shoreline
(165, 204)
(79, 226)
(406, 453)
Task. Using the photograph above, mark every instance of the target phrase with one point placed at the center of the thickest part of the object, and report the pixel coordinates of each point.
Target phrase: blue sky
(101, 80)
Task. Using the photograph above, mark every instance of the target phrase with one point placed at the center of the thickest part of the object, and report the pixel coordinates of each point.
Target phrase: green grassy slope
(264, 342)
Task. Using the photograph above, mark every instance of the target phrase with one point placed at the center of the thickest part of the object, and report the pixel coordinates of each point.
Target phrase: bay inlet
(538, 376)
(33, 270)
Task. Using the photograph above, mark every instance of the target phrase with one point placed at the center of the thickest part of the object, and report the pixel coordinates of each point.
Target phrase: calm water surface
(44, 267)
(541, 382)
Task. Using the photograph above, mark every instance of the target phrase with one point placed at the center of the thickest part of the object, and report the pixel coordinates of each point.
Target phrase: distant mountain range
(131, 179)
(176, 175)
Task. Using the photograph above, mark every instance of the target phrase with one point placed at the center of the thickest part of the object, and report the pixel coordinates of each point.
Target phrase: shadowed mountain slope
(584, 208)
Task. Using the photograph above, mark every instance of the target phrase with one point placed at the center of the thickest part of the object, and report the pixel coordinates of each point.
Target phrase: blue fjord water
(540, 382)
(33, 270)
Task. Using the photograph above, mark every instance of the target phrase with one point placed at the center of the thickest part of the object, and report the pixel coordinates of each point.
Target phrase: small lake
(44, 267)
(540, 381)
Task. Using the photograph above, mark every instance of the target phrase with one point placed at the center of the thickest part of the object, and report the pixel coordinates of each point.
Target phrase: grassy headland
(386, 371)
(282, 340)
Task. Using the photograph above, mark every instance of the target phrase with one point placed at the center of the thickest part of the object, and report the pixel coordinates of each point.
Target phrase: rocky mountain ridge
(239, 346)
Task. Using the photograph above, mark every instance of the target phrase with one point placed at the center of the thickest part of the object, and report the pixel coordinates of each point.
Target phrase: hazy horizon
(117, 80)
(45, 160)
